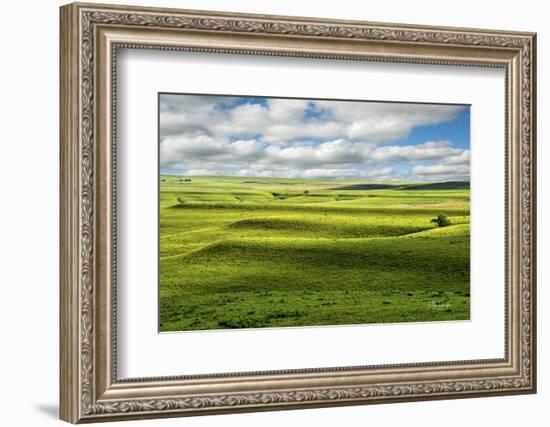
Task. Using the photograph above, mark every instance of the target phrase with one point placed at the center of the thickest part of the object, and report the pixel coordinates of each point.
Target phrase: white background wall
(29, 171)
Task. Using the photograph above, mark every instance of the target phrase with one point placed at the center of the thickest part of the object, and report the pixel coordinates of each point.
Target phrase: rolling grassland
(240, 252)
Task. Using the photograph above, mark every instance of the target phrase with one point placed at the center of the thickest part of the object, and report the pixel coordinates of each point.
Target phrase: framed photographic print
(266, 212)
(281, 212)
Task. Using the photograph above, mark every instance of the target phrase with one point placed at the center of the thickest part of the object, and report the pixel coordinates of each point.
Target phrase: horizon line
(318, 179)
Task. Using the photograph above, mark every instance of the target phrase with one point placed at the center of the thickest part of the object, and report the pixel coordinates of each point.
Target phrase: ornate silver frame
(90, 36)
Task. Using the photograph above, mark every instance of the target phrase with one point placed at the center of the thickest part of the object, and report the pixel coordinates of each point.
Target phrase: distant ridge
(449, 185)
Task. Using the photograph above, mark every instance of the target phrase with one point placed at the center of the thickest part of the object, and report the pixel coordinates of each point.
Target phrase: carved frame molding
(90, 37)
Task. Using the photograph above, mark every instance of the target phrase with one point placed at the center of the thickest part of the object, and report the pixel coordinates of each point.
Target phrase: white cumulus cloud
(215, 135)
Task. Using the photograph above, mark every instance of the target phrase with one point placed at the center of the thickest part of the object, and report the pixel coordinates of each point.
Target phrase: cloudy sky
(272, 137)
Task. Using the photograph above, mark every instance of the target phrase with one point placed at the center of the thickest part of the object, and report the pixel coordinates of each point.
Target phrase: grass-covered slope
(258, 252)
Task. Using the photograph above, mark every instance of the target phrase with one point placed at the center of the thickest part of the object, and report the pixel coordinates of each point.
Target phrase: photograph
(293, 212)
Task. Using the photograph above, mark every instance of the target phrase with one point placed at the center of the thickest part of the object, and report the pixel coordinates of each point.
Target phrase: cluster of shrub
(178, 180)
(441, 220)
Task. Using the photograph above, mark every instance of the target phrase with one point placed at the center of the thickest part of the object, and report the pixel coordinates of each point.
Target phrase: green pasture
(267, 252)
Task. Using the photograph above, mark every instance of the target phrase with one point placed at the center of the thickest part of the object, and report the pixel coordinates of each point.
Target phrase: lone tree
(441, 220)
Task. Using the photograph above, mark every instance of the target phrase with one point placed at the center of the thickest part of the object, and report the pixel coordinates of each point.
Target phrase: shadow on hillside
(449, 185)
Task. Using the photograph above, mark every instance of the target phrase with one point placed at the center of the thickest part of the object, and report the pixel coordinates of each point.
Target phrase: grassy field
(268, 252)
